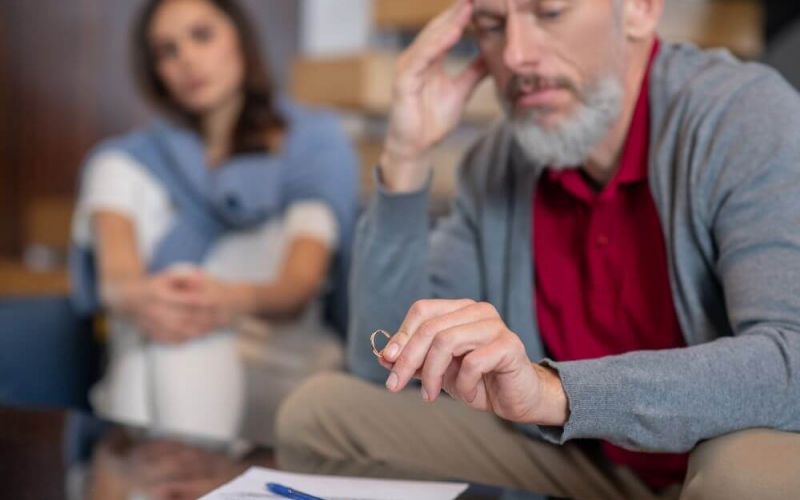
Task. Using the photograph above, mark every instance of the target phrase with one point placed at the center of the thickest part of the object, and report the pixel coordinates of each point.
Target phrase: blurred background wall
(65, 84)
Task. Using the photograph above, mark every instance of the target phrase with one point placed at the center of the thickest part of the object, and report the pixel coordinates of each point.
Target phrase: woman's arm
(166, 306)
(119, 266)
(311, 233)
(299, 281)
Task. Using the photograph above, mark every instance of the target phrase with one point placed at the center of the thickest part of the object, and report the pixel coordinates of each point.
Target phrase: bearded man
(613, 305)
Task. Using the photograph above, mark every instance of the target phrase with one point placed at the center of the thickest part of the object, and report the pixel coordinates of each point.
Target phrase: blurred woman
(210, 237)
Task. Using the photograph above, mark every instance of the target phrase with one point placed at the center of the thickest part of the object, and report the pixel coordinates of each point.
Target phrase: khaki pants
(337, 424)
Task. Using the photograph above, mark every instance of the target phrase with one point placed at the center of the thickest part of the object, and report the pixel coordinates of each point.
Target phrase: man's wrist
(403, 174)
(553, 408)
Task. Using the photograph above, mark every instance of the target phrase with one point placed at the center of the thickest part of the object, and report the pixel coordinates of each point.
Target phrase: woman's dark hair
(259, 115)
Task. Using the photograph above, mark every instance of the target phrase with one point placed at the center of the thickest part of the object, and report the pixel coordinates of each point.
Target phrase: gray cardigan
(724, 170)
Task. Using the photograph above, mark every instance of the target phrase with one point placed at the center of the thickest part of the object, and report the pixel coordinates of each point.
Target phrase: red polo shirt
(601, 273)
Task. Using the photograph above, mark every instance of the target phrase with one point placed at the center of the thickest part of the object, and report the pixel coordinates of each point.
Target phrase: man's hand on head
(465, 348)
(427, 102)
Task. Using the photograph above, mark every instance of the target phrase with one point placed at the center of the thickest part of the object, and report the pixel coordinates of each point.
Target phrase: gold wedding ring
(372, 340)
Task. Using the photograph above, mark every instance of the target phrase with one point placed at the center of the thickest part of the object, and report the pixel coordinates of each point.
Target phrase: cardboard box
(733, 24)
(406, 14)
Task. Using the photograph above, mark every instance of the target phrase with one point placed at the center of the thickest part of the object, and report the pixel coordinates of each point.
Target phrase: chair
(48, 355)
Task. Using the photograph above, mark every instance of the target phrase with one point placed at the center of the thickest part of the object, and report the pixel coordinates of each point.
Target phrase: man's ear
(640, 17)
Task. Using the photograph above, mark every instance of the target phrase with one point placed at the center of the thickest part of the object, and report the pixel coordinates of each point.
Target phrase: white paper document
(252, 485)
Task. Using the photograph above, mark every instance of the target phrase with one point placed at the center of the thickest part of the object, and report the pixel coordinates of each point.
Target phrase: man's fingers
(385, 363)
(494, 357)
(454, 343)
(419, 312)
(425, 321)
(395, 346)
(451, 16)
(424, 310)
(431, 49)
(437, 38)
(467, 81)
(449, 378)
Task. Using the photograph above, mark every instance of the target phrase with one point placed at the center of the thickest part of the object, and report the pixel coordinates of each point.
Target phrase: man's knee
(755, 463)
(304, 419)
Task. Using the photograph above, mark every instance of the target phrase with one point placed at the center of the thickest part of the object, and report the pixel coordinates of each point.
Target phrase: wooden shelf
(363, 83)
(16, 280)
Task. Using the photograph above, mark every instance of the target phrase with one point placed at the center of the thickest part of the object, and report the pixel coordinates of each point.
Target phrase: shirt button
(602, 240)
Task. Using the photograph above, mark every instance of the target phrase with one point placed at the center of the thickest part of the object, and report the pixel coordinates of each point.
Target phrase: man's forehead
(502, 6)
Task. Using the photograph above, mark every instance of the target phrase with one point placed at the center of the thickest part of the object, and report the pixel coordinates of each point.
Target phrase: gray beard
(568, 144)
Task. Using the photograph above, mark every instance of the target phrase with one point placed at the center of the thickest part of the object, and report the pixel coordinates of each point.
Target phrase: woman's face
(197, 54)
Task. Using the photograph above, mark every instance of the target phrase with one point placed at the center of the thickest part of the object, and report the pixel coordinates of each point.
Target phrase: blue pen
(287, 492)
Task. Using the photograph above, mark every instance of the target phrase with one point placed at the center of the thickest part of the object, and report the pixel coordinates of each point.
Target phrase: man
(616, 289)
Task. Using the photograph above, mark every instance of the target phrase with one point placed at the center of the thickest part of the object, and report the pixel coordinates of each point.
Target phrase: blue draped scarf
(316, 162)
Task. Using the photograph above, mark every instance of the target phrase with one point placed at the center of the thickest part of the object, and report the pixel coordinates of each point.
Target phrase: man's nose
(524, 43)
